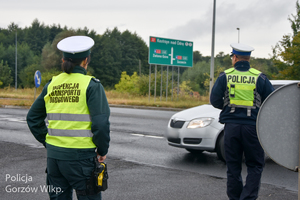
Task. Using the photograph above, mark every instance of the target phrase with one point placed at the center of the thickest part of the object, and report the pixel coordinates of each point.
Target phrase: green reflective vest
(68, 113)
(241, 89)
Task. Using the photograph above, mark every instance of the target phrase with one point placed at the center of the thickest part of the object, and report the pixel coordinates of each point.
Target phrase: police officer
(77, 110)
(239, 92)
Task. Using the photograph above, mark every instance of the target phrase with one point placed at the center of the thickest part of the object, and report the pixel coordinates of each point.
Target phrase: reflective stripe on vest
(70, 133)
(67, 112)
(68, 117)
(241, 89)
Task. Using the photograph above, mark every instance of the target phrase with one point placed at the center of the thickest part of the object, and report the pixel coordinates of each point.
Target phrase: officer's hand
(101, 158)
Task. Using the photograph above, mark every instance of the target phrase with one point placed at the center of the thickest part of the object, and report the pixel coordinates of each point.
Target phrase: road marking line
(152, 136)
(13, 119)
(140, 135)
(149, 136)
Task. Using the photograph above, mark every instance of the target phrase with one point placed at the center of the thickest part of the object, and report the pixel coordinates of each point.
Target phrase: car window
(277, 86)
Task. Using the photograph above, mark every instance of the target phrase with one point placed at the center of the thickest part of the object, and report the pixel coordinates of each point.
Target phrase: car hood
(197, 112)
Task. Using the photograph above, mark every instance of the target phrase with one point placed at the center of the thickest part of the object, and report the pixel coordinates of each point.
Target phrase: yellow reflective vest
(241, 89)
(68, 113)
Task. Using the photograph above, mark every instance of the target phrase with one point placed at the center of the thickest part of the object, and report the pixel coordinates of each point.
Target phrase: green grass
(20, 97)
(25, 97)
(129, 99)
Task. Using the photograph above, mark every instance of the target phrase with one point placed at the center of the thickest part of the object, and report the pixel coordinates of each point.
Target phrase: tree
(24, 58)
(27, 73)
(295, 20)
(106, 57)
(53, 31)
(115, 52)
(51, 56)
(198, 75)
(133, 50)
(2, 52)
(197, 56)
(5, 75)
(10, 59)
(37, 36)
(223, 59)
(286, 53)
(264, 65)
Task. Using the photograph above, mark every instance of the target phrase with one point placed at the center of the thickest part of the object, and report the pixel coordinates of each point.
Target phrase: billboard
(172, 52)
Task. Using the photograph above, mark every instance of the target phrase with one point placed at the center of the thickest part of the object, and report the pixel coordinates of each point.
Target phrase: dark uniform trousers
(65, 175)
(242, 139)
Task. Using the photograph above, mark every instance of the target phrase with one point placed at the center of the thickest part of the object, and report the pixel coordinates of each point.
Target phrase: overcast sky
(262, 23)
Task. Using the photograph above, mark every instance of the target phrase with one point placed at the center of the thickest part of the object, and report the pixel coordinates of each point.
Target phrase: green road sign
(163, 51)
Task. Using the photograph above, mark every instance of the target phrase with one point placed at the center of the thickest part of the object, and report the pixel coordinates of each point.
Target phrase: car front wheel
(220, 147)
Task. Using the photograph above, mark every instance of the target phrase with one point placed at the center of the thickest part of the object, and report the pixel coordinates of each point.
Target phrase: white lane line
(13, 119)
(38, 146)
(153, 136)
(139, 135)
(149, 136)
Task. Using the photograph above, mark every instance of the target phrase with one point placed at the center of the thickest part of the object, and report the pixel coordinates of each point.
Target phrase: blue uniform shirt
(263, 87)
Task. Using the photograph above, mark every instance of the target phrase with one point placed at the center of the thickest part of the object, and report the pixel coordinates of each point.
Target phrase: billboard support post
(169, 52)
(149, 80)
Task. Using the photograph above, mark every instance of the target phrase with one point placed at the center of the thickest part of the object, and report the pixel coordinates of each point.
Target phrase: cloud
(261, 23)
(229, 16)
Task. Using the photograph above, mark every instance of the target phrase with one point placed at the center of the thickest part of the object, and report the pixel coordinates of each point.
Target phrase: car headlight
(200, 122)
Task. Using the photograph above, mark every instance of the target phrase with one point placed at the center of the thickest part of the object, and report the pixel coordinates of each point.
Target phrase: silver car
(198, 129)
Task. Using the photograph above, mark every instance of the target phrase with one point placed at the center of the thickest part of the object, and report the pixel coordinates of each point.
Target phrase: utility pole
(140, 67)
(212, 60)
(238, 34)
(16, 65)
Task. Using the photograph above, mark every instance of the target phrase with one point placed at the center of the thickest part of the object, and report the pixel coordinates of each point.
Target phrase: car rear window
(277, 86)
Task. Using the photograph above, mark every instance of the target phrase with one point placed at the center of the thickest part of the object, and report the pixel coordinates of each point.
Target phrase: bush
(5, 77)
(128, 83)
(139, 85)
(47, 76)
(27, 75)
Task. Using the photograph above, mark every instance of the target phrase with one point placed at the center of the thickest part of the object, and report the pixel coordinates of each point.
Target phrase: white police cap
(241, 49)
(76, 46)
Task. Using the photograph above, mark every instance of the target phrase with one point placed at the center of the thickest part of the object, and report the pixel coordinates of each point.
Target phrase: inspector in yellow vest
(241, 89)
(67, 112)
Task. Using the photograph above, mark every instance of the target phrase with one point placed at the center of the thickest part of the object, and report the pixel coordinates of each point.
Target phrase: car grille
(174, 140)
(176, 124)
(192, 140)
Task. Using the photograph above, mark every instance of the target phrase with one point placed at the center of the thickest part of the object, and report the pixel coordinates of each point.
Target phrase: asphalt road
(141, 165)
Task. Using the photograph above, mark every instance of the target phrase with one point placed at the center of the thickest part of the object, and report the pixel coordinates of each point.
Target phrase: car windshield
(277, 86)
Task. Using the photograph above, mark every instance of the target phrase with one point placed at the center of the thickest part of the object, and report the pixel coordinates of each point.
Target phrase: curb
(110, 105)
(15, 107)
(145, 107)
